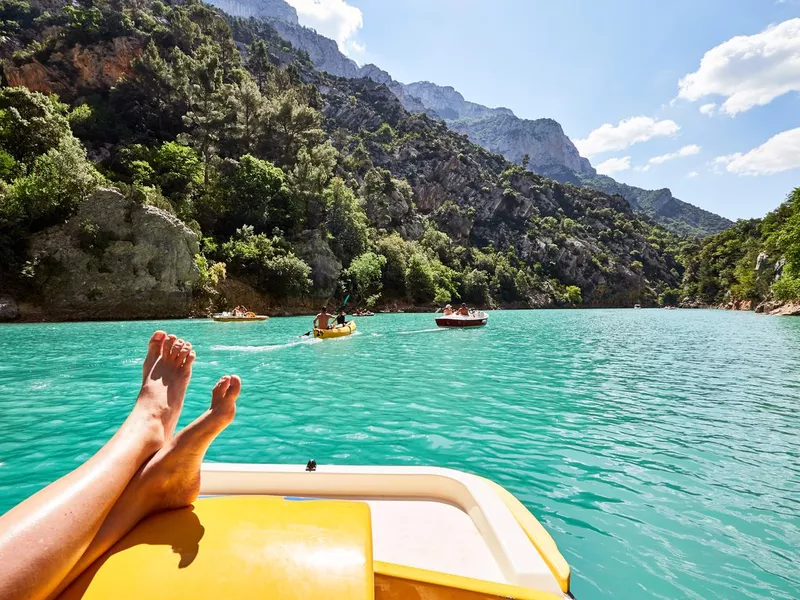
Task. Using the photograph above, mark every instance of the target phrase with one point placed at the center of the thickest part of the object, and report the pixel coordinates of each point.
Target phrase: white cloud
(612, 165)
(642, 168)
(779, 153)
(708, 109)
(335, 19)
(692, 174)
(685, 151)
(749, 70)
(627, 132)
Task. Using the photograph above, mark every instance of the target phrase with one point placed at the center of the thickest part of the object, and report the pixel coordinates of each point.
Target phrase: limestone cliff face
(115, 259)
(325, 267)
(268, 9)
(76, 70)
(543, 140)
(322, 51)
(449, 104)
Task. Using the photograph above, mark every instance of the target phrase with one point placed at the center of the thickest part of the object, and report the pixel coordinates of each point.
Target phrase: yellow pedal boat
(231, 318)
(335, 532)
(338, 331)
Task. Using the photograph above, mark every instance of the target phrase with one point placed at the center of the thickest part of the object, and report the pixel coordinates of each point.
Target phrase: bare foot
(166, 372)
(171, 479)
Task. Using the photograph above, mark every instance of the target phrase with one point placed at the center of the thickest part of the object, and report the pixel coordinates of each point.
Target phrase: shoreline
(785, 309)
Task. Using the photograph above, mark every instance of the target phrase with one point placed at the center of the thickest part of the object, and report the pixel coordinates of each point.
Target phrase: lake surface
(661, 449)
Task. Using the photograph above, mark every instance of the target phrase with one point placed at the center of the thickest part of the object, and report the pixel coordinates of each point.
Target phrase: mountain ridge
(549, 150)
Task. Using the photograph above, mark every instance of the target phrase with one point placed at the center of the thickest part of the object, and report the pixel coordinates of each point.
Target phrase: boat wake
(431, 330)
(270, 348)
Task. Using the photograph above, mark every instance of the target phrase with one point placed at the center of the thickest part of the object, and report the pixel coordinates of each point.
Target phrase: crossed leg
(171, 479)
(44, 537)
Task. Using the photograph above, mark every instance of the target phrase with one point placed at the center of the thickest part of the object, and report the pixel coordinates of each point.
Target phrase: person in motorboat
(448, 310)
(322, 320)
(463, 311)
(142, 470)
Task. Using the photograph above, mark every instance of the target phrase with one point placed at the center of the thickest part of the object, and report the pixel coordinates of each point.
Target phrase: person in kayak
(448, 310)
(464, 310)
(341, 320)
(322, 320)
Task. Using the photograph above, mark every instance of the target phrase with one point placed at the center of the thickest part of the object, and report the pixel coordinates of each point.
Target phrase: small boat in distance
(229, 317)
(476, 318)
(637, 306)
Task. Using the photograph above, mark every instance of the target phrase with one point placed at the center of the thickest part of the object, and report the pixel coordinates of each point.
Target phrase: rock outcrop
(265, 9)
(548, 148)
(115, 259)
(325, 267)
(78, 70)
(450, 104)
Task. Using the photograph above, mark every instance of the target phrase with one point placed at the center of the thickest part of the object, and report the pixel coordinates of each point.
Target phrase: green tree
(153, 100)
(669, 297)
(397, 251)
(30, 123)
(176, 168)
(250, 108)
(420, 284)
(256, 193)
(364, 275)
(345, 221)
(59, 180)
(309, 178)
(267, 263)
(476, 288)
(210, 113)
(294, 124)
(259, 64)
(526, 159)
(573, 294)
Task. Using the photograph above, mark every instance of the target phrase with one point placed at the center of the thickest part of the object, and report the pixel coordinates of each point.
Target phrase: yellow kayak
(338, 331)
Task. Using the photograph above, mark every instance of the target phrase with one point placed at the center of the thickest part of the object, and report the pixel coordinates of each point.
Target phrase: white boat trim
(519, 562)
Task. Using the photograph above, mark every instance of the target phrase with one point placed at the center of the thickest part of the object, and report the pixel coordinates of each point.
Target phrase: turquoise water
(660, 448)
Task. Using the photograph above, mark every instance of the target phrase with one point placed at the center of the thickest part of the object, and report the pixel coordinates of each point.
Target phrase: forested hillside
(289, 185)
(753, 262)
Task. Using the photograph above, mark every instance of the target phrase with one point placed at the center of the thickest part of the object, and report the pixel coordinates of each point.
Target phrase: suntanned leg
(171, 479)
(42, 538)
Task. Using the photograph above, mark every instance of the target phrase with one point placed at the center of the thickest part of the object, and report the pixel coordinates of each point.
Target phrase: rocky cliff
(265, 9)
(551, 152)
(75, 70)
(480, 199)
(542, 140)
(112, 251)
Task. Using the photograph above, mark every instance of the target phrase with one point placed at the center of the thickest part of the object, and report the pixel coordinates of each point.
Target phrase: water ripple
(660, 448)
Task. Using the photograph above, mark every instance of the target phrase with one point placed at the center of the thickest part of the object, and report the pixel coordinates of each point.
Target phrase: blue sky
(588, 63)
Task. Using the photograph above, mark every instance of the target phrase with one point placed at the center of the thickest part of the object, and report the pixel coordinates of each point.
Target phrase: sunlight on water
(660, 448)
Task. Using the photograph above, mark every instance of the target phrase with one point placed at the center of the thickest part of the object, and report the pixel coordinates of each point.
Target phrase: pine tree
(210, 114)
(258, 63)
(250, 108)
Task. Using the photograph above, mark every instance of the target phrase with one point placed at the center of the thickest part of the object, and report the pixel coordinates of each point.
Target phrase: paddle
(346, 298)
